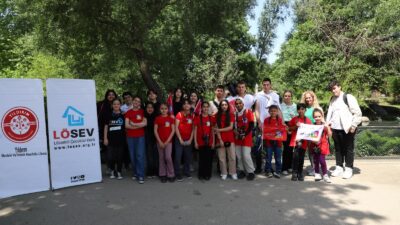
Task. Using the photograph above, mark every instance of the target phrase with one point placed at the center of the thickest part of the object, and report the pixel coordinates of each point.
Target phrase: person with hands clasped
(204, 141)
(183, 140)
(226, 140)
(164, 129)
(321, 148)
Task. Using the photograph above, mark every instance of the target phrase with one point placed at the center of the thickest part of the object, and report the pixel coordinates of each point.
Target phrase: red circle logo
(20, 124)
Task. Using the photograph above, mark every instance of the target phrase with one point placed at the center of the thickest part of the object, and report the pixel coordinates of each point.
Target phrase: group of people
(163, 138)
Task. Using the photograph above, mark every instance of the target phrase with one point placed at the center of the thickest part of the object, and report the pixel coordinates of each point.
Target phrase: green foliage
(369, 143)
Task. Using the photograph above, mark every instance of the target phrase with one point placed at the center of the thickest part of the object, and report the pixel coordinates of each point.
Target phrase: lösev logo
(74, 116)
(20, 124)
(77, 178)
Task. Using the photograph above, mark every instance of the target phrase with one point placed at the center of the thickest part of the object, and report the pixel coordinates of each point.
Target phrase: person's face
(186, 106)
(318, 117)
(241, 89)
(152, 96)
(110, 96)
(224, 106)
(273, 112)
(287, 97)
(219, 92)
(301, 112)
(149, 109)
(116, 106)
(193, 98)
(136, 102)
(204, 108)
(266, 86)
(178, 93)
(336, 90)
(128, 99)
(164, 110)
(239, 105)
(309, 99)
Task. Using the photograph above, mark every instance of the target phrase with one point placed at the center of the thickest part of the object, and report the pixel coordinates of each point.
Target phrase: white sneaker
(234, 176)
(317, 177)
(112, 174)
(337, 172)
(224, 176)
(285, 172)
(290, 171)
(327, 179)
(311, 173)
(119, 176)
(348, 173)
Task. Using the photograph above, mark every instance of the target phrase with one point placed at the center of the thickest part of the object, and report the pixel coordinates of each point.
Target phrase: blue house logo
(74, 116)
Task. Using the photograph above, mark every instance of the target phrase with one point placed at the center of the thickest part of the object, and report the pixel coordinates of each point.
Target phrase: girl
(134, 124)
(151, 144)
(114, 139)
(226, 139)
(183, 140)
(273, 147)
(321, 149)
(194, 98)
(164, 130)
(288, 111)
(177, 100)
(204, 141)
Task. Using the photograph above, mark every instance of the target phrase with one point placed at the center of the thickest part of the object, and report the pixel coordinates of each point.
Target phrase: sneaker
(251, 176)
(188, 176)
(337, 172)
(348, 173)
(112, 174)
(234, 177)
(163, 179)
(327, 179)
(171, 179)
(141, 180)
(276, 175)
(294, 177)
(285, 173)
(317, 177)
(119, 176)
(311, 173)
(290, 170)
(241, 175)
(268, 174)
(224, 176)
(207, 178)
(179, 178)
(300, 177)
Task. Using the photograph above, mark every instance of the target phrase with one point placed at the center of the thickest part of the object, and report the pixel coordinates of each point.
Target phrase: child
(164, 130)
(273, 147)
(300, 146)
(321, 149)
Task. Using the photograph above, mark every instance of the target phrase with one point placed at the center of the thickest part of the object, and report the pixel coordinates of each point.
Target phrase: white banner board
(73, 132)
(24, 162)
(309, 132)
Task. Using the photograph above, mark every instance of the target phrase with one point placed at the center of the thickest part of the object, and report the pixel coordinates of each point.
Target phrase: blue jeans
(187, 160)
(137, 154)
(278, 159)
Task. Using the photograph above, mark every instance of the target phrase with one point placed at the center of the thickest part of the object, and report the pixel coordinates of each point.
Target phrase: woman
(226, 140)
(151, 145)
(204, 141)
(177, 100)
(135, 132)
(289, 110)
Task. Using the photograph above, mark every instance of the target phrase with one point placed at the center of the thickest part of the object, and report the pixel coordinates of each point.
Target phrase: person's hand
(221, 143)
(352, 130)
(105, 142)
(196, 146)
(181, 141)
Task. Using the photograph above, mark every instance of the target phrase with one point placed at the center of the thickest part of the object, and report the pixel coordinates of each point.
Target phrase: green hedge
(378, 143)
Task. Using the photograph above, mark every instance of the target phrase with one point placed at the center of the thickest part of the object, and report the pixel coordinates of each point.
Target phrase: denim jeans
(186, 151)
(137, 154)
(277, 151)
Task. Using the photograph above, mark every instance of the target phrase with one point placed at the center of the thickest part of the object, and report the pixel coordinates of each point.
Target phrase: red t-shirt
(185, 125)
(164, 129)
(242, 123)
(136, 116)
(207, 123)
(323, 143)
(275, 121)
(293, 123)
(227, 136)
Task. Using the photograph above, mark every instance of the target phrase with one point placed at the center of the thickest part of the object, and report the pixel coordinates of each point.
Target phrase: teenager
(219, 95)
(177, 100)
(127, 97)
(152, 98)
(151, 142)
(241, 90)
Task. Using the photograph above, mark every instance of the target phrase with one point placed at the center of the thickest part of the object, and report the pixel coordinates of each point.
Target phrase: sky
(282, 30)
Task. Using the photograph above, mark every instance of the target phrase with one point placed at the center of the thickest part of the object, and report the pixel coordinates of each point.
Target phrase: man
(248, 99)
(264, 99)
(344, 115)
(127, 96)
(219, 93)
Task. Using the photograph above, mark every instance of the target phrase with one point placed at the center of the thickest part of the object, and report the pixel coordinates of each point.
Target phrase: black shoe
(207, 178)
(294, 177)
(251, 176)
(188, 176)
(171, 179)
(179, 178)
(300, 177)
(258, 171)
(241, 175)
(163, 179)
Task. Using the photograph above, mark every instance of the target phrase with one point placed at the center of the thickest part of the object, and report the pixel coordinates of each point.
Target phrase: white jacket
(350, 116)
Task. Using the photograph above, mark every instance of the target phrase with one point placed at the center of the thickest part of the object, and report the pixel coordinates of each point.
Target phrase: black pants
(152, 159)
(287, 154)
(206, 155)
(115, 155)
(344, 147)
(298, 160)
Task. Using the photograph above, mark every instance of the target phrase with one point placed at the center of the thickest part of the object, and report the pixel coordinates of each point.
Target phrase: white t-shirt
(265, 101)
(248, 100)
(125, 108)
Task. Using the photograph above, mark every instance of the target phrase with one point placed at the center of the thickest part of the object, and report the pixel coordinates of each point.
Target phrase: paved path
(371, 197)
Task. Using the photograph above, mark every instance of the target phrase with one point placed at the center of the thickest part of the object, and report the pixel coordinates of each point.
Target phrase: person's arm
(230, 127)
(196, 145)
(257, 113)
(105, 138)
(191, 134)
(157, 136)
(178, 134)
(328, 130)
(171, 135)
(355, 111)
